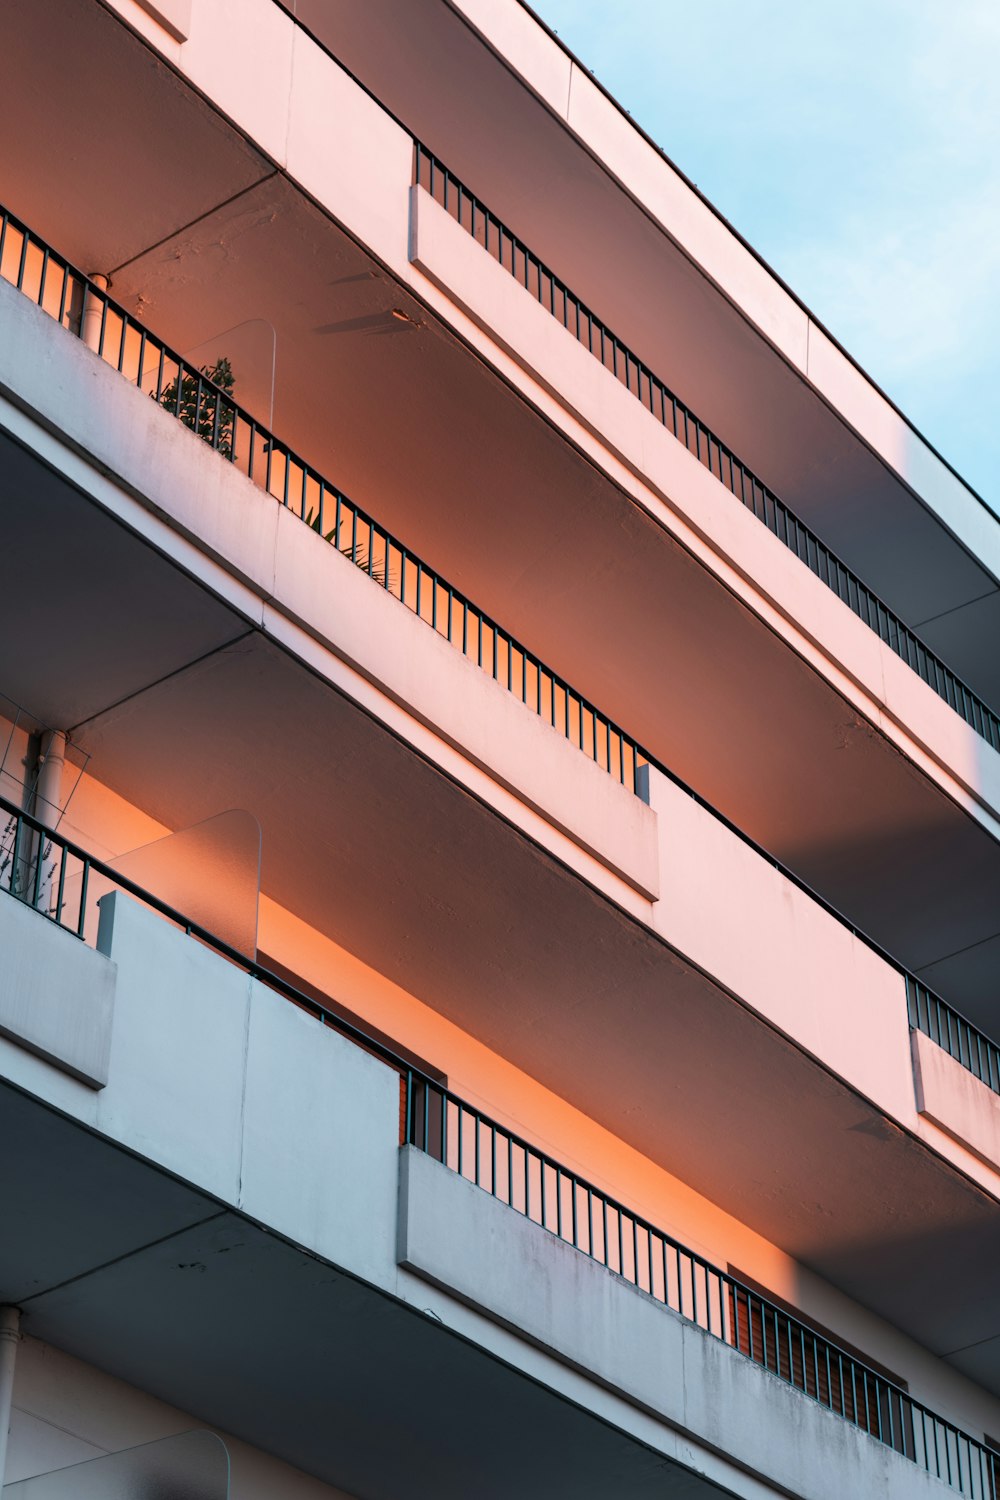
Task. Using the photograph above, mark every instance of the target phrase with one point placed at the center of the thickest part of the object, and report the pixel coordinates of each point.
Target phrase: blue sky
(856, 145)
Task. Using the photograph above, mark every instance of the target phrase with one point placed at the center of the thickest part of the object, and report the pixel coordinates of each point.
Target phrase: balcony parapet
(650, 1319)
(954, 1075)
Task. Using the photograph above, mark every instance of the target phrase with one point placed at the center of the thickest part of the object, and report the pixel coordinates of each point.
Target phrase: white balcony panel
(765, 940)
(220, 1082)
(338, 604)
(56, 995)
(955, 1099)
(462, 1239)
(734, 915)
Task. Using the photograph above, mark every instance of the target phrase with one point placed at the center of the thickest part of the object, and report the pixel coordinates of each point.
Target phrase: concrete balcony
(279, 563)
(237, 1183)
(262, 598)
(561, 164)
(455, 765)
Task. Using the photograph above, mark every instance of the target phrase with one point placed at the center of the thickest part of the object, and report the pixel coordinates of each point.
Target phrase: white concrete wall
(953, 1098)
(66, 1411)
(56, 995)
(218, 1080)
(336, 602)
(733, 914)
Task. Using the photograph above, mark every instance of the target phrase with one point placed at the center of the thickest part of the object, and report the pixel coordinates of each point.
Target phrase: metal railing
(65, 884)
(188, 394)
(567, 1206)
(951, 1031)
(658, 399)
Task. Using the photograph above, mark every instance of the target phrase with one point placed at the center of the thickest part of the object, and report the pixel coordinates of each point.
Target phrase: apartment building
(500, 823)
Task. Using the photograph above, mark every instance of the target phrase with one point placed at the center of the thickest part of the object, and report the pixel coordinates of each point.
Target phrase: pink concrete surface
(366, 626)
(954, 1099)
(173, 15)
(770, 944)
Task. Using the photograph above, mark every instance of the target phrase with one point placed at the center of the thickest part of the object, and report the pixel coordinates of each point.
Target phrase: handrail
(190, 396)
(558, 1200)
(530, 272)
(53, 876)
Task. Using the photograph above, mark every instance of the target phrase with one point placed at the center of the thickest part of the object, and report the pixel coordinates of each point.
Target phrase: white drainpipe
(48, 809)
(10, 1333)
(93, 312)
(48, 788)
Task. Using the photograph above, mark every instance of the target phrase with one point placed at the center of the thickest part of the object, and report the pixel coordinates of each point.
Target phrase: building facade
(500, 822)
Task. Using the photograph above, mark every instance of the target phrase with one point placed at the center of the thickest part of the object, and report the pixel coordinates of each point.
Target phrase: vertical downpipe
(93, 312)
(10, 1333)
(48, 788)
(48, 808)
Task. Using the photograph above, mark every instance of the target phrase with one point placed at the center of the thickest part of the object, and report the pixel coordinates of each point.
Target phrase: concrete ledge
(955, 1099)
(173, 15)
(93, 410)
(56, 995)
(727, 909)
(458, 1237)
